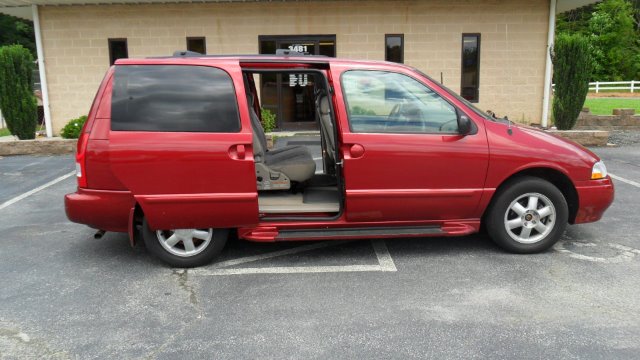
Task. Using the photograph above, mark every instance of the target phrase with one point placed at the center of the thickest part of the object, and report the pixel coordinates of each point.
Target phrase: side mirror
(464, 125)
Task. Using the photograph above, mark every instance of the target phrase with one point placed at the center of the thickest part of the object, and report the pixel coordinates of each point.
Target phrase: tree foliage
(572, 66)
(613, 30)
(17, 31)
(17, 102)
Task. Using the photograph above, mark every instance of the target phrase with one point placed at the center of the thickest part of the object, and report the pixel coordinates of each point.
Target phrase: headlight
(599, 171)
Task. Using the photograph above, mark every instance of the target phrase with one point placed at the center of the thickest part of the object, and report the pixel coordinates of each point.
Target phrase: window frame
(233, 86)
(110, 41)
(478, 37)
(457, 110)
(386, 48)
(204, 42)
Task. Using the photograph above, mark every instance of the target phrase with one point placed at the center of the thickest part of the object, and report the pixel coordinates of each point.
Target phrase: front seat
(294, 162)
(326, 125)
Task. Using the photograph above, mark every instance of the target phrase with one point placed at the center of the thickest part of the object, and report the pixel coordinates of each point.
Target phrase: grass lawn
(4, 132)
(604, 106)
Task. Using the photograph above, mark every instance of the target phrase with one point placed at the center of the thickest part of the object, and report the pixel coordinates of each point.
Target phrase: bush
(73, 128)
(571, 73)
(268, 120)
(17, 102)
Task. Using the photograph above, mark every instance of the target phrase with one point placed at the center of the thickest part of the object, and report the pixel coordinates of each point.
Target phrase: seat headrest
(325, 109)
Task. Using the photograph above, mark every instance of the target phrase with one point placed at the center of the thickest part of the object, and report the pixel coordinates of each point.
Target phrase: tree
(572, 65)
(17, 102)
(614, 38)
(17, 31)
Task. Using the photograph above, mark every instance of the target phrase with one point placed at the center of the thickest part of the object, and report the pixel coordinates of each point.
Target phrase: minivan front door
(404, 159)
(178, 144)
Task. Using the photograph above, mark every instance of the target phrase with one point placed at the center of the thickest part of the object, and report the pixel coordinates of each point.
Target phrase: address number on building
(298, 48)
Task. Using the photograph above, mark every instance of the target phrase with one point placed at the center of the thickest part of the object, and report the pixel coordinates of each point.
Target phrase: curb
(55, 146)
(584, 137)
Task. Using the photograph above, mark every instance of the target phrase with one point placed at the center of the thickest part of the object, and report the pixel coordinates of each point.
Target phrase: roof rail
(287, 52)
(186, 53)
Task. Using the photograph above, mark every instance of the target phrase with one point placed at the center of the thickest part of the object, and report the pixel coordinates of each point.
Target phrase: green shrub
(268, 120)
(571, 72)
(17, 102)
(357, 110)
(73, 128)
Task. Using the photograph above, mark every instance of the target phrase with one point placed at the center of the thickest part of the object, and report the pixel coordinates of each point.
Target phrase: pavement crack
(183, 282)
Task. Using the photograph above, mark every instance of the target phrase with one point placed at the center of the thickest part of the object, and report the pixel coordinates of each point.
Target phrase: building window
(470, 84)
(117, 50)
(197, 44)
(394, 48)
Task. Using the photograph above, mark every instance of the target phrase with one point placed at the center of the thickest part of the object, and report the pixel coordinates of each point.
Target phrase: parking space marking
(624, 253)
(385, 263)
(630, 182)
(31, 192)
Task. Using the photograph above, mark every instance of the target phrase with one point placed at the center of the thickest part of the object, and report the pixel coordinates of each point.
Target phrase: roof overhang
(22, 8)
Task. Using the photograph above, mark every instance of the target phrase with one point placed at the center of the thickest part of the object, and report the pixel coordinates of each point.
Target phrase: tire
(179, 255)
(516, 225)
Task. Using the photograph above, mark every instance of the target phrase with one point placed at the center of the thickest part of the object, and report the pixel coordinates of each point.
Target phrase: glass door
(290, 96)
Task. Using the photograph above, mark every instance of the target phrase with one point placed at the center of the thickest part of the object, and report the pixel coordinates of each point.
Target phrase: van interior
(297, 179)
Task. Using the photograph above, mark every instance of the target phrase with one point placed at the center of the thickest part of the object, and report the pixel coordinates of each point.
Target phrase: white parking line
(385, 263)
(630, 182)
(31, 192)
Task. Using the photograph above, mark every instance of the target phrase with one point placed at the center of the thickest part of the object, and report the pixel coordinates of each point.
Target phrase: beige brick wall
(512, 45)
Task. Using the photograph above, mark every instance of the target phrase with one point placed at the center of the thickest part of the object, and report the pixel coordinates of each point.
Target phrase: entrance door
(403, 157)
(287, 95)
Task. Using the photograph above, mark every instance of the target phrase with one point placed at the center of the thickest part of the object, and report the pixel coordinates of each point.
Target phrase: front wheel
(527, 216)
(184, 248)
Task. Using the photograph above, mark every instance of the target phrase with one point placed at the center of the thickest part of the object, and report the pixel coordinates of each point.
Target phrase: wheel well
(558, 179)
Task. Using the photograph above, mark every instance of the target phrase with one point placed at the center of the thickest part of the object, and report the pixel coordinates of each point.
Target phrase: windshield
(458, 97)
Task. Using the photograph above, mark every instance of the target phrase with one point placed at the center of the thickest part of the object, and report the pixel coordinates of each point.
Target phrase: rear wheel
(184, 247)
(527, 216)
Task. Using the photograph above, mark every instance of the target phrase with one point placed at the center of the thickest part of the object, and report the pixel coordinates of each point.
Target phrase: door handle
(356, 151)
(237, 152)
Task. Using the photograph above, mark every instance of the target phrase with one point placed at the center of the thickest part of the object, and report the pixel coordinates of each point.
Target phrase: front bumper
(100, 209)
(594, 198)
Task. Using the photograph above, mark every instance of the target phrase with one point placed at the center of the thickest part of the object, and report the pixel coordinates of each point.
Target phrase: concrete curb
(54, 146)
(584, 137)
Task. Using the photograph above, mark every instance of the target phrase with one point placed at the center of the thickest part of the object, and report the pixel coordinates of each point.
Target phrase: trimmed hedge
(73, 128)
(17, 102)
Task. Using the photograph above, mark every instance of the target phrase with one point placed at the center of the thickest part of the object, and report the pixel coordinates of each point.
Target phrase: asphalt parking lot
(64, 294)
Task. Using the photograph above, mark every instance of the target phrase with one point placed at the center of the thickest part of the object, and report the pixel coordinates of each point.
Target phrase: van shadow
(114, 248)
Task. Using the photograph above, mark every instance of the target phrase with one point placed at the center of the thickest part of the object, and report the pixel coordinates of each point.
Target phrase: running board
(271, 232)
(359, 233)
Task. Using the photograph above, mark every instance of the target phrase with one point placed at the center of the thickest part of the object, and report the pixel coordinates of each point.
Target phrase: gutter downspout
(41, 68)
(548, 67)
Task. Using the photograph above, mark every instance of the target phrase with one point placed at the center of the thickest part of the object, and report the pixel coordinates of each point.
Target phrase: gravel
(623, 138)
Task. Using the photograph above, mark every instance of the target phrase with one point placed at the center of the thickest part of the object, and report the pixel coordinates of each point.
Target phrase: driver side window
(386, 102)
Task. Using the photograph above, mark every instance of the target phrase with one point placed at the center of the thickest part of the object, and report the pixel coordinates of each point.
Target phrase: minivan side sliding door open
(404, 157)
(178, 144)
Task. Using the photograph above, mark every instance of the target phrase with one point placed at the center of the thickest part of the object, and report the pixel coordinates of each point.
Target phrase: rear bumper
(100, 209)
(594, 198)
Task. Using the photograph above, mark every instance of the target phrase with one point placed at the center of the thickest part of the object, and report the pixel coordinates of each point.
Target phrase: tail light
(81, 174)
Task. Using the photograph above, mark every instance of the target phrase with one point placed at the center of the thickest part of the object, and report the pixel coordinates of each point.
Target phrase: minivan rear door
(178, 143)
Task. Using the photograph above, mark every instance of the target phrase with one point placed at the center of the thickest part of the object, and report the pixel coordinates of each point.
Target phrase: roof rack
(279, 52)
(186, 53)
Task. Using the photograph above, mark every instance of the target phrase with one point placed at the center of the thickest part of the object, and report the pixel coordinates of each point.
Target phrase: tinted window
(470, 67)
(173, 98)
(117, 50)
(394, 48)
(385, 102)
(197, 44)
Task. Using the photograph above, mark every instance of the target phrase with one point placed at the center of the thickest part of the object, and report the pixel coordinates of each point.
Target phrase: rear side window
(173, 98)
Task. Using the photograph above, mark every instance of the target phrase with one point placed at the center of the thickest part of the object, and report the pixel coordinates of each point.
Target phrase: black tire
(496, 215)
(152, 243)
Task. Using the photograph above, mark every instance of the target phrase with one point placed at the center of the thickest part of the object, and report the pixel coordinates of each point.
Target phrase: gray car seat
(275, 169)
(324, 114)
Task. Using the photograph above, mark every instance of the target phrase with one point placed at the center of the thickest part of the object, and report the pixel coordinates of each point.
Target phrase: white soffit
(22, 8)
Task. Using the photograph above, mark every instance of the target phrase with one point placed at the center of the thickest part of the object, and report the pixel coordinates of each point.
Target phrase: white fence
(619, 86)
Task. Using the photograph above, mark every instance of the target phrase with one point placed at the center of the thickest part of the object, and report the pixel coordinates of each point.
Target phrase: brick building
(493, 52)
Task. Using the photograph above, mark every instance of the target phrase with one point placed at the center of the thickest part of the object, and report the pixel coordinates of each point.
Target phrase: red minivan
(174, 152)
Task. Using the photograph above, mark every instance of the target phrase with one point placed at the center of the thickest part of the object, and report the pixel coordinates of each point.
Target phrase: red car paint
(202, 180)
